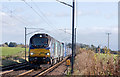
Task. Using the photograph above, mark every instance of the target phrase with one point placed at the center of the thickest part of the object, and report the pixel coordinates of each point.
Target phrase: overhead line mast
(73, 20)
(73, 8)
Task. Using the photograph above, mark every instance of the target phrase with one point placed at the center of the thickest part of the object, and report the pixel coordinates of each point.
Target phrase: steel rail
(5, 72)
(8, 71)
(12, 66)
(41, 72)
(25, 73)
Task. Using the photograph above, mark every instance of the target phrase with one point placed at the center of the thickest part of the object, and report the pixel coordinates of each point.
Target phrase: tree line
(12, 44)
(96, 49)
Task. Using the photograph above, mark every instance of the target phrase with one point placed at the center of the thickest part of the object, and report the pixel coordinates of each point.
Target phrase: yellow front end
(39, 53)
(39, 56)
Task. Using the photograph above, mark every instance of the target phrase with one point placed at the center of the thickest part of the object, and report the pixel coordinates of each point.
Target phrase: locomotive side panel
(65, 52)
(58, 49)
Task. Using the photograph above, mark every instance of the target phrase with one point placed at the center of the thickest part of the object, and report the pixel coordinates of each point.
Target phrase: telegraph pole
(108, 39)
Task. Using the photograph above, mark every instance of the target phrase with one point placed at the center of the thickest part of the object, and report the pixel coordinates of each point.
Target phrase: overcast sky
(94, 20)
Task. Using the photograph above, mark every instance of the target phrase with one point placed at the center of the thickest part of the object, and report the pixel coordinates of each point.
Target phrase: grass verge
(12, 55)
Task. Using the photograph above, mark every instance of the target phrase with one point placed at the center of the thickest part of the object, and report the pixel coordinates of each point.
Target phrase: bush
(12, 44)
(6, 43)
(90, 63)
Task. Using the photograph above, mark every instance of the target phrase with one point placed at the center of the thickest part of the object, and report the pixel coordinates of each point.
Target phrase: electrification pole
(25, 43)
(75, 43)
(73, 36)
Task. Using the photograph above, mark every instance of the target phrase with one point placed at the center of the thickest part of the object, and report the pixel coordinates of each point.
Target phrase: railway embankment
(89, 63)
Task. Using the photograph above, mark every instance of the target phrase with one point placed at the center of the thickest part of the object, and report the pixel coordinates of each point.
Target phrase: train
(44, 49)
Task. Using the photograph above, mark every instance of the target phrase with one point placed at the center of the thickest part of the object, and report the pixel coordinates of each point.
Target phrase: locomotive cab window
(39, 42)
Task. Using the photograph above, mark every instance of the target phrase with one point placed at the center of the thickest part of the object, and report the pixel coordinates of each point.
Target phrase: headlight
(47, 53)
(31, 53)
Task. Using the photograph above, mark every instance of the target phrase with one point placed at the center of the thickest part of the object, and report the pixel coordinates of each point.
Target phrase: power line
(20, 19)
(44, 15)
(46, 20)
(17, 19)
(36, 12)
(38, 29)
(24, 20)
(41, 12)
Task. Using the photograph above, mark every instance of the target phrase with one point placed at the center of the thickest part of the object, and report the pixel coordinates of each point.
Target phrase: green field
(11, 51)
(12, 55)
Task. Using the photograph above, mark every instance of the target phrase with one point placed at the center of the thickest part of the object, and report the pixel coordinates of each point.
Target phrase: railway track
(31, 72)
(15, 68)
(43, 71)
(4, 68)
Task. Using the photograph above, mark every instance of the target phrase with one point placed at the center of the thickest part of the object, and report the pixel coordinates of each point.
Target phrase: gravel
(60, 70)
(14, 73)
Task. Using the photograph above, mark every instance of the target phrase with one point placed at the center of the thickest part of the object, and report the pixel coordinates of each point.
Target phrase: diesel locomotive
(44, 49)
